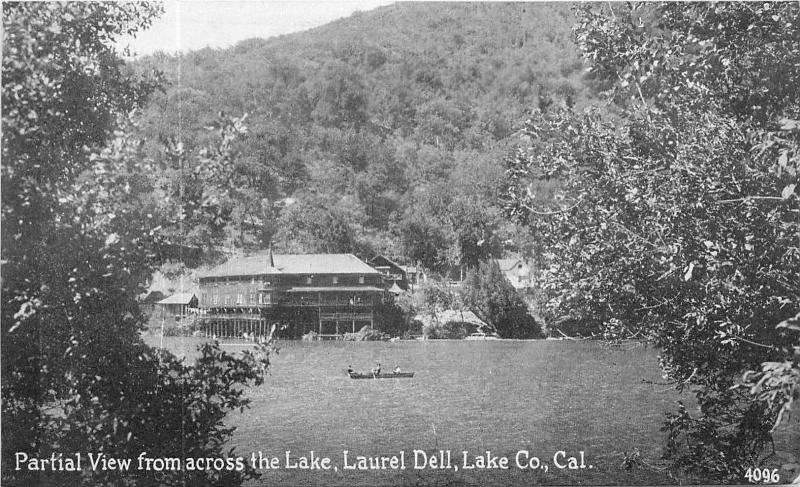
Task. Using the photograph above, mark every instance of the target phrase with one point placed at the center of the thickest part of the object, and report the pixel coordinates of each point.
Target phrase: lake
(501, 396)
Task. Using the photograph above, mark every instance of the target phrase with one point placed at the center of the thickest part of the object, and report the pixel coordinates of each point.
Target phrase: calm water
(501, 396)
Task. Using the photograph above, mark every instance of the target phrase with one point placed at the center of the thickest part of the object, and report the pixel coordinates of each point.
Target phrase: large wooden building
(329, 294)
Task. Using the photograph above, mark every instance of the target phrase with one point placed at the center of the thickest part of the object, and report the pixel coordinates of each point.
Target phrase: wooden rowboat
(382, 375)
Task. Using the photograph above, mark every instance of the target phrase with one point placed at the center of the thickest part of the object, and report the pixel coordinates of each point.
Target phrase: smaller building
(395, 289)
(517, 271)
(178, 306)
(414, 275)
(395, 276)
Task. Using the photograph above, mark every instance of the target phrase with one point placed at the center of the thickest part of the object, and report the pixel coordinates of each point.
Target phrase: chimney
(271, 260)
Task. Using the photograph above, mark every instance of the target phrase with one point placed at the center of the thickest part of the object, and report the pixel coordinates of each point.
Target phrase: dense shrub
(390, 318)
(489, 294)
(366, 334)
(452, 330)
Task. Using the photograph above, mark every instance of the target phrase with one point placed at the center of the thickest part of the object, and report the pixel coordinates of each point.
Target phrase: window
(216, 299)
(267, 298)
(203, 298)
(227, 299)
(252, 298)
(336, 279)
(361, 279)
(260, 298)
(239, 298)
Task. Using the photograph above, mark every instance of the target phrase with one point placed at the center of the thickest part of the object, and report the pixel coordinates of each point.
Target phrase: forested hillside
(384, 132)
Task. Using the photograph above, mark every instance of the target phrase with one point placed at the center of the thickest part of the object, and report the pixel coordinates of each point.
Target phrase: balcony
(333, 302)
(345, 316)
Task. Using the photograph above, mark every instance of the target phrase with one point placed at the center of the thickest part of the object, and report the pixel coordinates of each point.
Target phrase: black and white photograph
(374, 243)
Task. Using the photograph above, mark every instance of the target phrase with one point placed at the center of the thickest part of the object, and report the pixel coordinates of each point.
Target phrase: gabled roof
(178, 298)
(395, 289)
(152, 297)
(507, 264)
(388, 260)
(244, 266)
(255, 265)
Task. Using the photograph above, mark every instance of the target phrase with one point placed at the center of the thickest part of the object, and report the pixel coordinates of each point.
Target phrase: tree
(307, 226)
(489, 294)
(423, 240)
(679, 222)
(81, 223)
(475, 224)
(450, 225)
(390, 316)
(441, 122)
(340, 97)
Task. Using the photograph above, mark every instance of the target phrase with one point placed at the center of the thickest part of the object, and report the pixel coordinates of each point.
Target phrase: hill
(384, 132)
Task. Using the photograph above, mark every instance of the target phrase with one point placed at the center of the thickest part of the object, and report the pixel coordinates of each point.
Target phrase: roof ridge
(318, 263)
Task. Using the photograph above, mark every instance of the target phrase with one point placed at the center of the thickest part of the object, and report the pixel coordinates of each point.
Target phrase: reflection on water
(501, 396)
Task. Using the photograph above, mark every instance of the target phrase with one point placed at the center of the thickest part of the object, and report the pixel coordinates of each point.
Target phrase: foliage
(487, 292)
(338, 97)
(778, 383)
(390, 317)
(366, 334)
(679, 222)
(172, 327)
(310, 227)
(432, 296)
(152, 402)
(450, 330)
(456, 223)
(424, 241)
(373, 115)
(203, 187)
(83, 219)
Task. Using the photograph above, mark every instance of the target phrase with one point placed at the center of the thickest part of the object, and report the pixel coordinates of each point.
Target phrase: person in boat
(396, 369)
(349, 370)
(377, 369)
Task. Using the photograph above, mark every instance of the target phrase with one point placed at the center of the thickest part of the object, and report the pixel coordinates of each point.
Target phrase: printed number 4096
(763, 475)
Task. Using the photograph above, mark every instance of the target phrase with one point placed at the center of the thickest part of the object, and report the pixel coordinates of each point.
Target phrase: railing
(325, 302)
(231, 316)
(345, 316)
